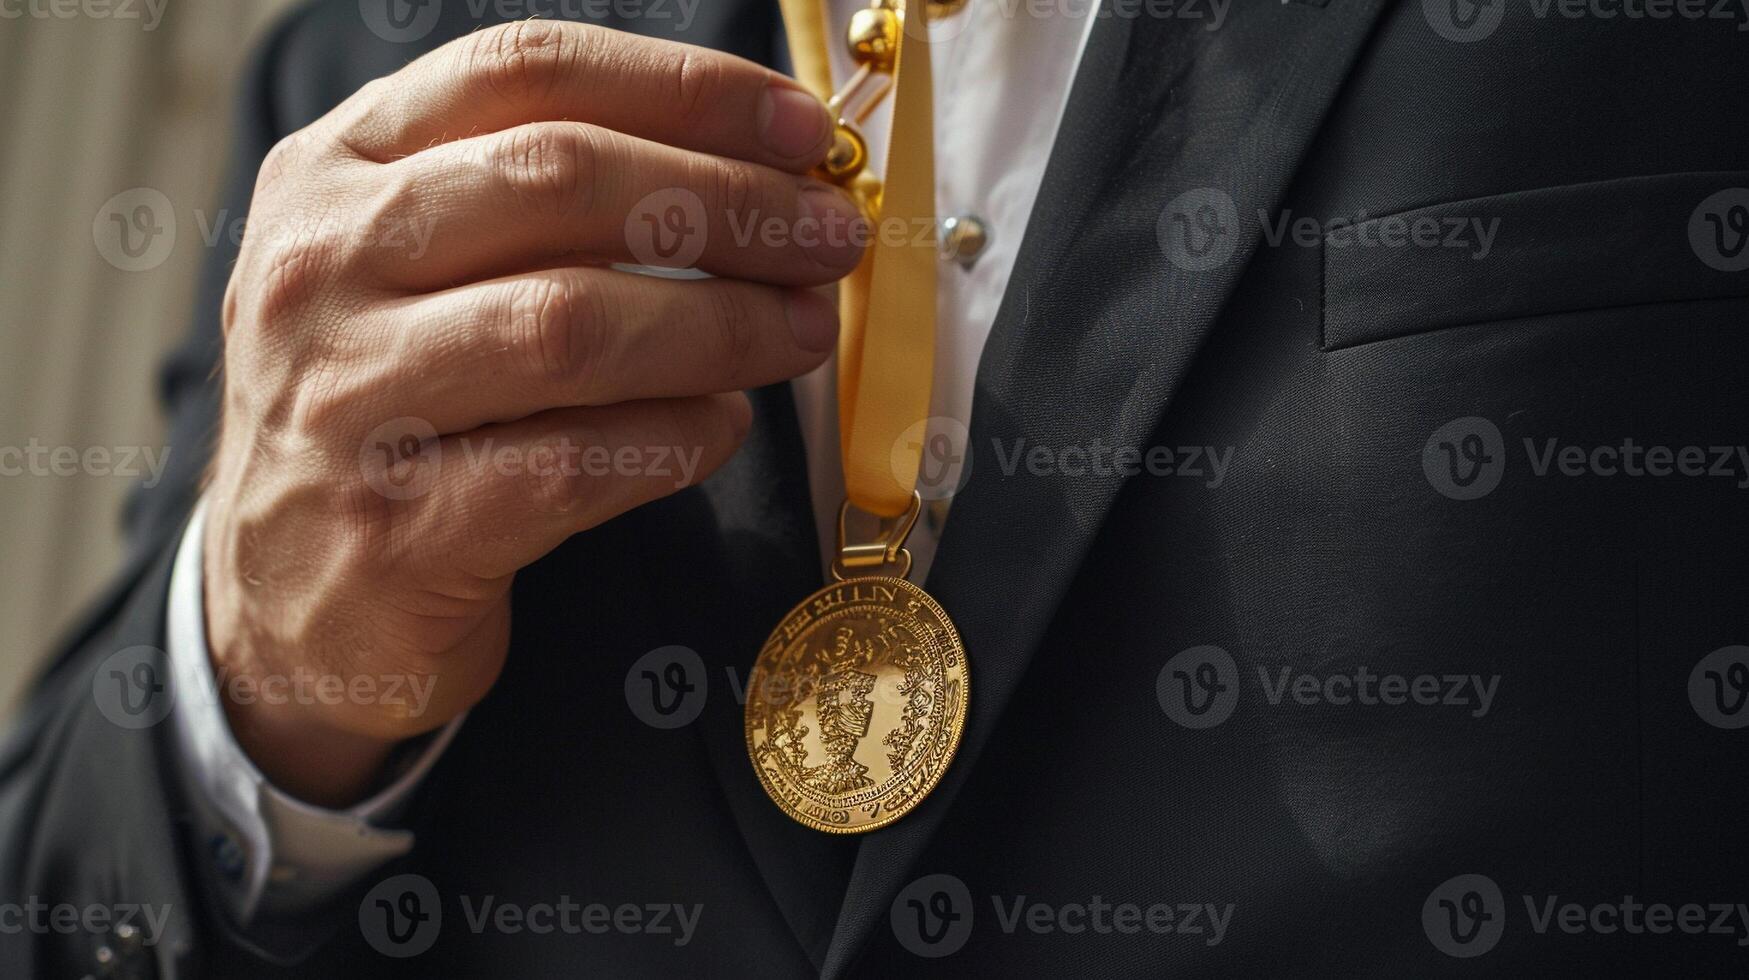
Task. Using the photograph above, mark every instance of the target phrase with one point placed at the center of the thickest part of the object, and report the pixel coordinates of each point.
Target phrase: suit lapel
(1098, 329)
(768, 560)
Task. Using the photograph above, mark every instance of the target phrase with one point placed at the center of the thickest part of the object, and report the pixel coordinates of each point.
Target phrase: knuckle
(369, 522)
(545, 169)
(324, 404)
(370, 112)
(514, 60)
(562, 325)
(374, 92)
(282, 158)
(297, 270)
(738, 191)
(552, 484)
(699, 79)
(397, 203)
(734, 324)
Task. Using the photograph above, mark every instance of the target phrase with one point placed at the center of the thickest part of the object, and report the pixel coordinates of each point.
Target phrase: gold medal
(857, 702)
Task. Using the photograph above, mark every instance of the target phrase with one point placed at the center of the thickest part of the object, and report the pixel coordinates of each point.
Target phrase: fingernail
(832, 228)
(812, 319)
(791, 122)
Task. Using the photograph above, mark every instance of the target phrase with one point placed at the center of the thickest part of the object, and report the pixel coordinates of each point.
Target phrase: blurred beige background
(92, 105)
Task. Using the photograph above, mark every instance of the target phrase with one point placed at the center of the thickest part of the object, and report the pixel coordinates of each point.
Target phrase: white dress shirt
(1001, 76)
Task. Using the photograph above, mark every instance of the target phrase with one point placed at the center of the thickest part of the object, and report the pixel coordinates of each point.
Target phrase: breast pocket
(1605, 245)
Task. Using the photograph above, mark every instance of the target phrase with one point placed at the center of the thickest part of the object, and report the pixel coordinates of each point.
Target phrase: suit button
(122, 955)
(227, 856)
(963, 238)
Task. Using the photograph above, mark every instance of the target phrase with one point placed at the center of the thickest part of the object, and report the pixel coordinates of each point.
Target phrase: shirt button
(963, 238)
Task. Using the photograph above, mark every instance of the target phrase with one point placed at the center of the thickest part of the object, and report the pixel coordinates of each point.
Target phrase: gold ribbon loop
(886, 344)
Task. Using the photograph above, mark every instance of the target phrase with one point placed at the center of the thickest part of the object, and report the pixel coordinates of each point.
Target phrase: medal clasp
(885, 554)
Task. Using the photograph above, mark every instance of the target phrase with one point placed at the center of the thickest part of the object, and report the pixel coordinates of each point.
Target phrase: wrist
(306, 758)
(282, 725)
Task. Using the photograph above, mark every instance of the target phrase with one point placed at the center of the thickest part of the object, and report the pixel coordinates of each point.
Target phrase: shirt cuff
(263, 850)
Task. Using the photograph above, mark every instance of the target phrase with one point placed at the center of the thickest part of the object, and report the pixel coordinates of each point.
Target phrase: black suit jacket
(1369, 394)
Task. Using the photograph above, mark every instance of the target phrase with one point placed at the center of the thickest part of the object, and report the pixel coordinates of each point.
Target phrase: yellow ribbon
(886, 343)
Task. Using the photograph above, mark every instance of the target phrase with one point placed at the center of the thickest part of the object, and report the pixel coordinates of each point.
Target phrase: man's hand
(432, 378)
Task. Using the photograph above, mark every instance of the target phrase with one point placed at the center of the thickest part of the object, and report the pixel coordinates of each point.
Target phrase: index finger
(541, 70)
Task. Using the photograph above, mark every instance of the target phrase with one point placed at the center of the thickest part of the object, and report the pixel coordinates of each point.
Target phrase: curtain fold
(92, 106)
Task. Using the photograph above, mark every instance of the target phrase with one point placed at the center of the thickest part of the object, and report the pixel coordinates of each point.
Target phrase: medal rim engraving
(954, 725)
